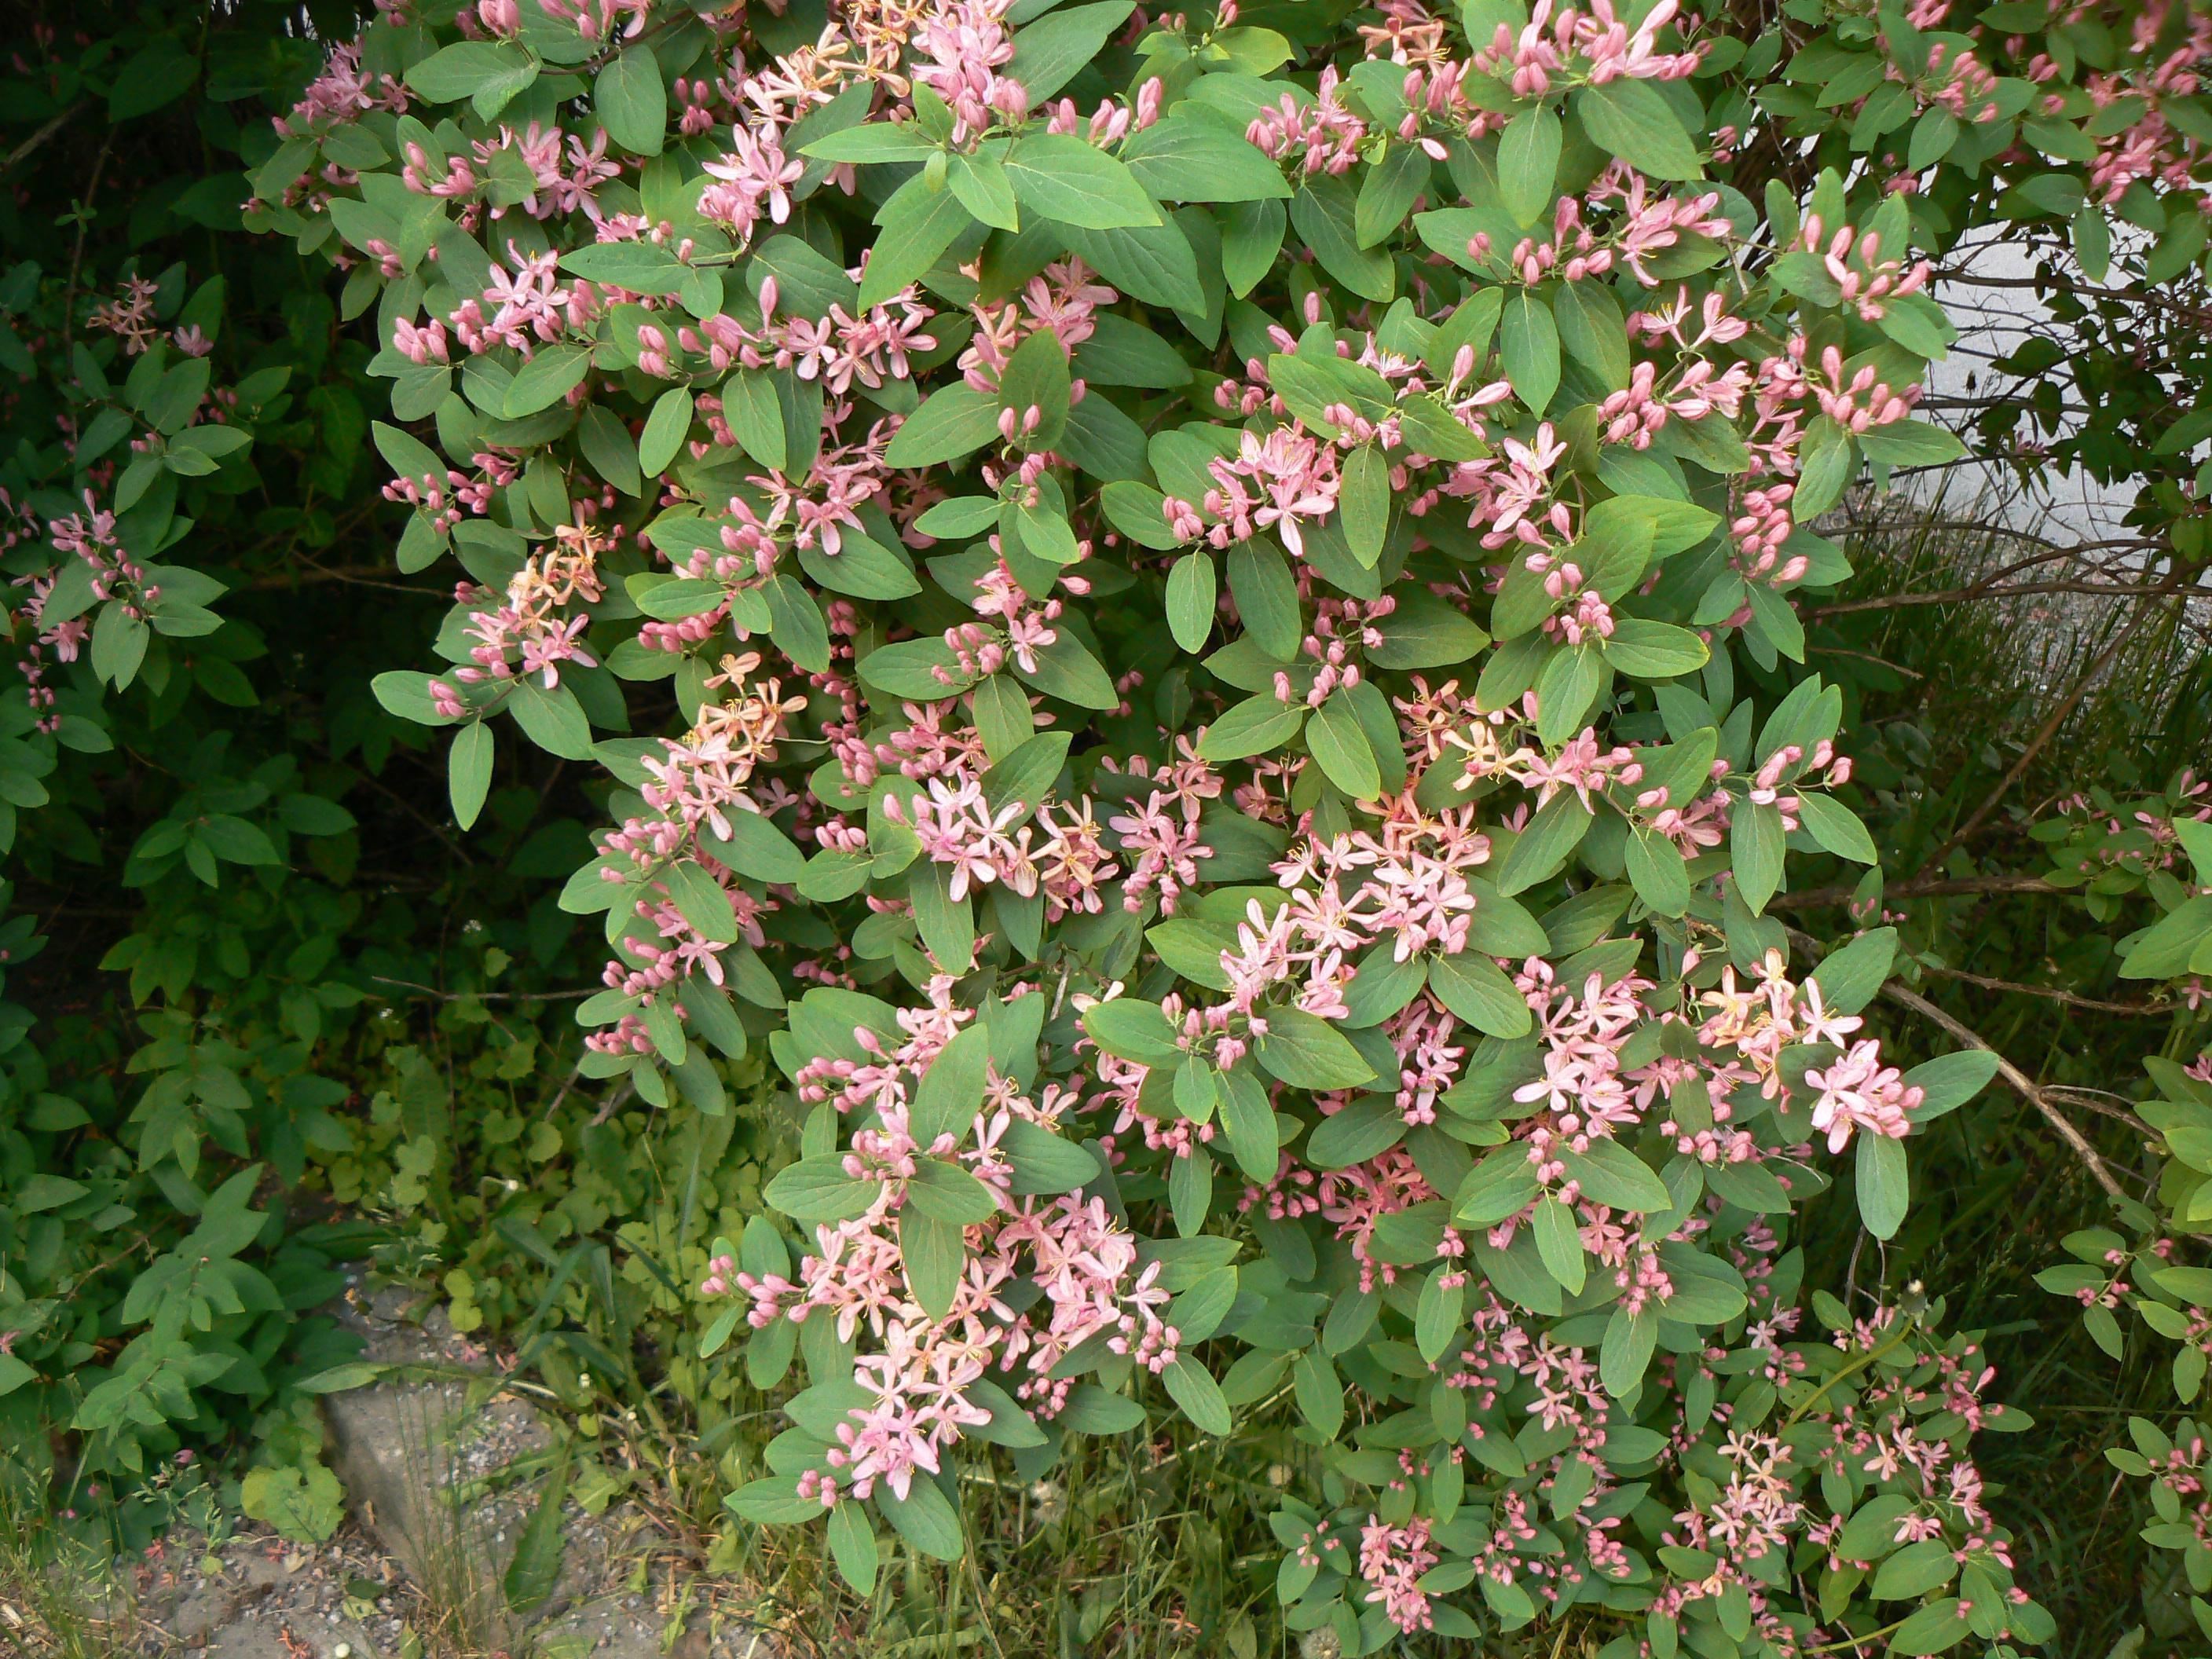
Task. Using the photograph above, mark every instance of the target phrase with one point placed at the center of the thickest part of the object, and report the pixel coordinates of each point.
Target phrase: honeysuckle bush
(1190, 620)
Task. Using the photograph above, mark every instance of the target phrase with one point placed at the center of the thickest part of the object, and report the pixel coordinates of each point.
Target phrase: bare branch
(2022, 1085)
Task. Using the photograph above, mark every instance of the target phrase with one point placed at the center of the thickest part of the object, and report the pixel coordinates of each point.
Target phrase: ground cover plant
(1239, 800)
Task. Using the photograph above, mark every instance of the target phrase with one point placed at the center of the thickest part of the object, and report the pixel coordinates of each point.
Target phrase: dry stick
(2022, 1085)
(1949, 887)
(53, 125)
(2018, 589)
(2013, 986)
(431, 993)
(2044, 733)
(2086, 1098)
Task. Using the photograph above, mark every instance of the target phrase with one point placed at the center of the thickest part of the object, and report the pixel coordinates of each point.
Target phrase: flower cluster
(1214, 762)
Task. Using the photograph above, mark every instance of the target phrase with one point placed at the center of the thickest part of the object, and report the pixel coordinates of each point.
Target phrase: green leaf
(632, 101)
(1134, 1030)
(1560, 1245)
(1364, 503)
(818, 1189)
(1850, 978)
(872, 141)
(1251, 238)
(666, 429)
(1192, 1389)
(153, 76)
(853, 1545)
(1091, 1410)
(1756, 849)
(1657, 872)
(478, 70)
(1058, 176)
(1306, 1052)
(468, 771)
(701, 902)
(1884, 1185)
(1066, 670)
(1339, 744)
(1837, 828)
(641, 267)
(1046, 1163)
(1949, 1081)
(2162, 950)
(924, 1517)
(1151, 263)
(952, 1090)
(1631, 119)
(1050, 50)
(1191, 600)
(1327, 216)
(535, 1570)
(1366, 1129)
(1249, 1122)
(1934, 1628)
(1529, 340)
(1037, 377)
(916, 228)
(1474, 988)
(861, 567)
(1266, 599)
(954, 421)
(1424, 632)
(1529, 163)
(946, 1192)
(1550, 838)
(935, 1253)
(1388, 191)
(1914, 1571)
(1501, 1185)
(1910, 443)
(546, 379)
(1193, 155)
(980, 181)
(1258, 726)
(1653, 650)
(554, 720)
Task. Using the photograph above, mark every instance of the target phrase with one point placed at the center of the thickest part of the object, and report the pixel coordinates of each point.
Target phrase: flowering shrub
(1213, 602)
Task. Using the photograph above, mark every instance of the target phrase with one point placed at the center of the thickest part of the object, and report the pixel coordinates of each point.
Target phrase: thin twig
(308, 572)
(614, 1102)
(2018, 589)
(431, 993)
(2015, 988)
(2022, 1085)
(2086, 1099)
(37, 140)
(83, 224)
(1813, 898)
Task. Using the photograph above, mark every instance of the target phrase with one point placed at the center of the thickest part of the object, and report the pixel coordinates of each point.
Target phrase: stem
(1888, 1344)
(2022, 1085)
(37, 140)
(1859, 1641)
